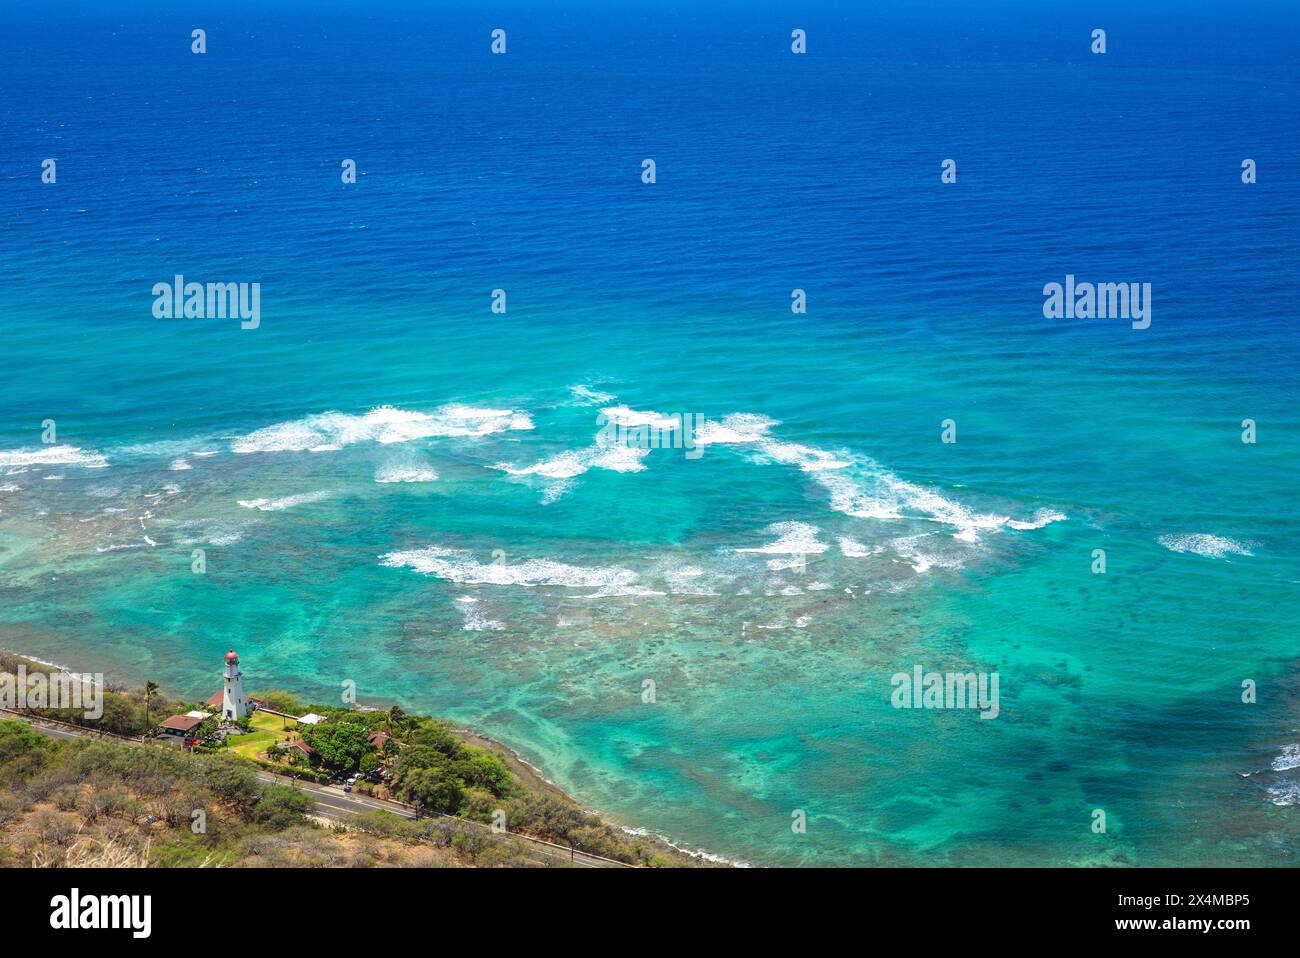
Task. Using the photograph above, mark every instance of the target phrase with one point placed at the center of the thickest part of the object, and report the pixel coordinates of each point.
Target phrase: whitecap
(793, 538)
(1042, 517)
(1203, 544)
(922, 561)
(475, 620)
(852, 549)
(331, 431)
(858, 486)
(18, 459)
(1289, 759)
(558, 472)
(458, 565)
(288, 502)
(1284, 793)
(623, 416)
(405, 473)
(735, 428)
(115, 547)
(589, 396)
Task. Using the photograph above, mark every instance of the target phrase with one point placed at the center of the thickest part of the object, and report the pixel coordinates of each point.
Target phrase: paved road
(337, 805)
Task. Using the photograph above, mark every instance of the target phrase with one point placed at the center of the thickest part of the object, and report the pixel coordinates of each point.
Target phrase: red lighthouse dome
(231, 656)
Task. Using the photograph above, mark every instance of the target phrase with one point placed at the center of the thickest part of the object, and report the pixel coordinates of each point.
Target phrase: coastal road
(337, 805)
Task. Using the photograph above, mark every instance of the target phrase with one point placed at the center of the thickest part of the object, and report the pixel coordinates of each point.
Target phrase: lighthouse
(233, 704)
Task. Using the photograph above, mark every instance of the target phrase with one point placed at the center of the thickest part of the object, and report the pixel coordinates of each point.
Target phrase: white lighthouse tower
(233, 704)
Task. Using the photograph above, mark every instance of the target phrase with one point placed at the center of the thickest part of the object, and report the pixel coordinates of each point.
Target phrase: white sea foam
(618, 591)
(623, 416)
(458, 565)
(116, 547)
(923, 560)
(288, 502)
(736, 428)
(685, 579)
(179, 465)
(852, 549)
(19, 459)
(694, 853)
(858, 486)
(405, 472)
(475, 620)
(558, 472)
(1290, 758)
(1285, 793)
(1203, 544)
(571, 464)
(793, 538)
(1041, 518)
(331, 431)
(589, 396)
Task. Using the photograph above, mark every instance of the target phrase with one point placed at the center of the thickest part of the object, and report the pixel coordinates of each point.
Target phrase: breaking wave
(330, 431)
(1203, 544)
(459, 566)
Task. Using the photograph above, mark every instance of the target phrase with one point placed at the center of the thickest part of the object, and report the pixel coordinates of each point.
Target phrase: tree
(18, 738)
(396, 720)
(437, 735)
(340, 745)
(281, 701)
(482, 768)
(281, 806)
(431, 789)
(369, 764)
(150, 688)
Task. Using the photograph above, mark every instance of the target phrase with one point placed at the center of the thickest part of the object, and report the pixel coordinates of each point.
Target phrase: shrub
(281, 806)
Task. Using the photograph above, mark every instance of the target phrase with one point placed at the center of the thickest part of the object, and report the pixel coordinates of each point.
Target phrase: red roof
(231, 656)
(180, 723)
(219, 697)
(378, 737)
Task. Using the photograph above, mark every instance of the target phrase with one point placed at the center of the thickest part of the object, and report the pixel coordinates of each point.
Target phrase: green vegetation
(281, 701)
(130, 712)
(84, 802)
(425, 763)
(339, 745)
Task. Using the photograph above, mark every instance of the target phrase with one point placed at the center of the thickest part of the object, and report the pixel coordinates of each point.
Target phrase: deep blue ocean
(396, 485)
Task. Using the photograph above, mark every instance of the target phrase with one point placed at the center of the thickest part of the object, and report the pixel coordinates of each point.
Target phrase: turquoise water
(397, 487)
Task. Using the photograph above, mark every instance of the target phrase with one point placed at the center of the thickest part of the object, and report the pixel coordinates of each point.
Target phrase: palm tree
(396, 718)
(149, 689)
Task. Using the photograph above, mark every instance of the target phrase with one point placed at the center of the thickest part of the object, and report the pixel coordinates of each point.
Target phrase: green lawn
(268, 729)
